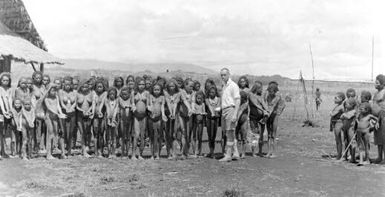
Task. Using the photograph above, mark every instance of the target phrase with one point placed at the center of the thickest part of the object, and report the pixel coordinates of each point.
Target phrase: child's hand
(149, 108)
(62, 116)
(71, 109)
(114, 123)
(164, 117)
(100, 114)
(377, 126)
(172, 116)
(133, 108)
(7, 115)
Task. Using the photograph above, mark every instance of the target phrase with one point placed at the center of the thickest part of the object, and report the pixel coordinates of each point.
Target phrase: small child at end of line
(336, 123)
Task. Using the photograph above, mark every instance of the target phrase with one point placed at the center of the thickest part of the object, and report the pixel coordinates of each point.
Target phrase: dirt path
(299, 170)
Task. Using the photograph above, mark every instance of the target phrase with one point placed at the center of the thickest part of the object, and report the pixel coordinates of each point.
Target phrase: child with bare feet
(27, 128)
(336, 123)
(185, 115)
(112, 108)
(99, 123)
(52, 114)
(85, 114)
(213, 104)
(67, 98)
(348, 118)
(16, 135)
(364, 124)
(140, 115)
(156, 107)
(258, 116)
(126, 122)
(199, 113)
(243, 124)
(276, 106)
(172, 98)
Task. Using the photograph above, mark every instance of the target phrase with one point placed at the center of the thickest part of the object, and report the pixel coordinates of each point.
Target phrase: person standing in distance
(230, 105)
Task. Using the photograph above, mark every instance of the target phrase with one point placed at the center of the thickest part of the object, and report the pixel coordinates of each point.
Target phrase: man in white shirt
(230, 105)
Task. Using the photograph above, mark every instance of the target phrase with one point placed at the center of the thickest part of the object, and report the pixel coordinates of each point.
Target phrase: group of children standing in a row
(44, 115)
(353, 119)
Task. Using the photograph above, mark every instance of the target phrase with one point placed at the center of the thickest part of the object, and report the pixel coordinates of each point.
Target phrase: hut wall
(5, 64)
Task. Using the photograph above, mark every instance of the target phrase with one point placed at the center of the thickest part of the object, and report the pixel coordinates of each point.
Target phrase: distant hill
(87, 64)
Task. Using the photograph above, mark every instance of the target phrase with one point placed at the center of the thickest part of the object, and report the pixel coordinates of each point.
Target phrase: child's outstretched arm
(177, 100)
(168, 102)
(242, 108)
(115, 111)
(280, 106)
(349, 114)
(61, 100)
(149, 103)
(60, 112)
(185, 101)
(94, 99)
(164, 117)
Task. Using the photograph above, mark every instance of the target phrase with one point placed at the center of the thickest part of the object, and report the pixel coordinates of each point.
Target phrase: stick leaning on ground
(350, 143)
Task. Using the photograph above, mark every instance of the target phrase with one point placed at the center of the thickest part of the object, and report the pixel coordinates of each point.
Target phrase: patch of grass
(233, 192)
(105, 180)
(133, 178)
(35, 185)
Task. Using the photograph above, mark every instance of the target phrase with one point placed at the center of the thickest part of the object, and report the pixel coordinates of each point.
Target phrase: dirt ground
(301, 169)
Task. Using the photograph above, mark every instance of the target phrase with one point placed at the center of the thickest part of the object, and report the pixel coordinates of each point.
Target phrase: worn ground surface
(302, 168)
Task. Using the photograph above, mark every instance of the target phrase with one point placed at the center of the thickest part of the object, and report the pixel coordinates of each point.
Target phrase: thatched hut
(19, 39)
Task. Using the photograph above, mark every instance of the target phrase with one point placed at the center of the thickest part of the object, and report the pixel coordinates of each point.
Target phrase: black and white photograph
(175, 98)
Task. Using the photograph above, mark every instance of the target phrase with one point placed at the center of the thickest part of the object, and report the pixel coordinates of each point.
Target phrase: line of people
(352, 120)
(43, 116)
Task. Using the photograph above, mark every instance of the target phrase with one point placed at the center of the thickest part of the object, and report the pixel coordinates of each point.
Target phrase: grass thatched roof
(18, 36)
(14, 15)
(21, 50)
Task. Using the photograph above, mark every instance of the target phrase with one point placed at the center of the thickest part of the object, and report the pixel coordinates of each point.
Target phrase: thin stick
(295, 101)
(372, 55)
(350, 143)
(33, 66)
(312, 65)
(302, 81)
(312, 85)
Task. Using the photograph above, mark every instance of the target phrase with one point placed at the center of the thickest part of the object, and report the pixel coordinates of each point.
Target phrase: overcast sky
(261, 37)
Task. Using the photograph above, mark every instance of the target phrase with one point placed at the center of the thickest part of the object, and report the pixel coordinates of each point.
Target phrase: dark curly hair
(6, 74)
(37, 73)
(381, 78)
(160, 86)
(208, 84)
(114, 90)
(172, 81)
(246, 80)
(273, 86)
(116, 80)
(130, 77)
(351, 92)
(199, 93)
(103, 82)
(179, 81)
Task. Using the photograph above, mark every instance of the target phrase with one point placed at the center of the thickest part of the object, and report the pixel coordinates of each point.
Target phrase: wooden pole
(305, 99)
(42, 67)
(312, 65)
(372, 56)
(33, 66)
(5, 64)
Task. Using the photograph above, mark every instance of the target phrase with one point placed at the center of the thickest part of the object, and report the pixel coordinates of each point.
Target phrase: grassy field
(304, 167)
